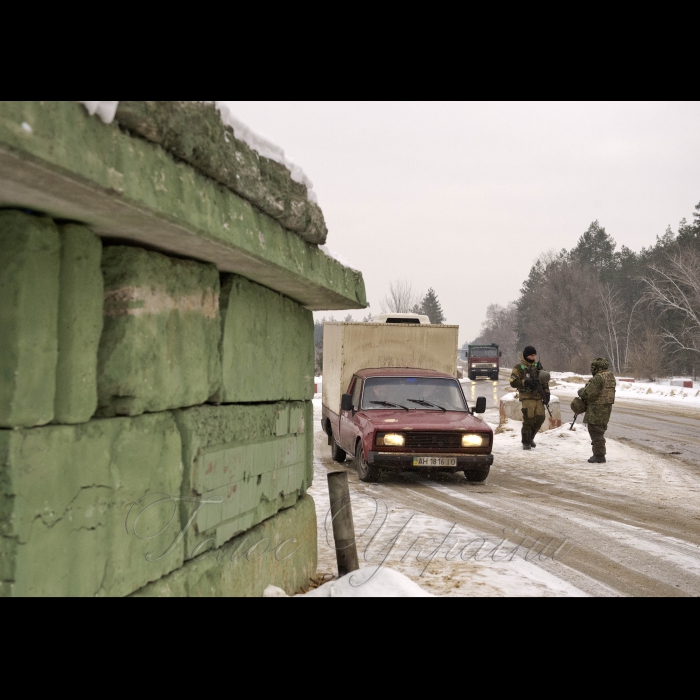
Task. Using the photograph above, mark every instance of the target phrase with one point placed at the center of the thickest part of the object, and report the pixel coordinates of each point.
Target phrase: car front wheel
(477, 475)
(364, 471)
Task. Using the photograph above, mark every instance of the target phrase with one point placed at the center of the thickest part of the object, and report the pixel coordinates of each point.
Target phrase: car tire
(364, 471)
(476, 475)
(472, 376)
(337, 454)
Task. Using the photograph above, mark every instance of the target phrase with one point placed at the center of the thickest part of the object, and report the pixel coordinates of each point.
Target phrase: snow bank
(660, 392)
(370, 582)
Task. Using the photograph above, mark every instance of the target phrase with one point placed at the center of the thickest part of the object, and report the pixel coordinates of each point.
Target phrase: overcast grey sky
(464, 196)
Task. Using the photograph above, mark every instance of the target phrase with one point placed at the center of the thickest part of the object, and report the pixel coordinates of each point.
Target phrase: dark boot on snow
(532, 444)
(597, 459)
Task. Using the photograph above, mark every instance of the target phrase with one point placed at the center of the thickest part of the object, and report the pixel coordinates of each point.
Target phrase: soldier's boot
(532, 443)
(527, 438)
(597, 459)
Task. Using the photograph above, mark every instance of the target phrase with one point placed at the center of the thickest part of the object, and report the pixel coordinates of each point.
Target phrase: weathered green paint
(240, 457)
(29, 290)
(79, 324)
(160, 343)
(194, 132)
(72, 166)
(66, 493)
(267, 349)
(281, 551)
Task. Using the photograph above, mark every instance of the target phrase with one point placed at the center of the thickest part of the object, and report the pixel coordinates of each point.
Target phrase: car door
(348, 429)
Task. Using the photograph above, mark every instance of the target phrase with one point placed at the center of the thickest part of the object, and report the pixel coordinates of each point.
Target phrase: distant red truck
(483, 361)
(395, 417)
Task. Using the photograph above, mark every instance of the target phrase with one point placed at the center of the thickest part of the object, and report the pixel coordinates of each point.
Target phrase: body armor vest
(530, 372)
(607, 394)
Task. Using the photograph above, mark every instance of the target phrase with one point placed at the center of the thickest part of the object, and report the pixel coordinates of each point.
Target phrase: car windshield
(416, 393)
(484, 352)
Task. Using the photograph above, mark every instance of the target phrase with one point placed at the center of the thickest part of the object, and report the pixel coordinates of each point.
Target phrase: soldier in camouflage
(599, 397)
(533, 395)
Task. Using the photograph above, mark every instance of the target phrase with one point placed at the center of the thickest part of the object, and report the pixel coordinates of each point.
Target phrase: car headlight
(474, 440)
(391, 439)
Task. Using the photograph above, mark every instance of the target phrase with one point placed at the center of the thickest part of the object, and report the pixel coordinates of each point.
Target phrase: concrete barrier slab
(29, 293)
(160, 343)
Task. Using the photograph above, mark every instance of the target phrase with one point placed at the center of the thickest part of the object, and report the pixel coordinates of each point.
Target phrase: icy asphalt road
(630, 527)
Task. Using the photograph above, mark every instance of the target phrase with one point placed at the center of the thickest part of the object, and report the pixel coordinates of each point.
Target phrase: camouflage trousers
(597, 433)
(533, 418)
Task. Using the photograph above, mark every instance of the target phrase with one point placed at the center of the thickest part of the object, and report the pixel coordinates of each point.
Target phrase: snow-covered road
(544, 523)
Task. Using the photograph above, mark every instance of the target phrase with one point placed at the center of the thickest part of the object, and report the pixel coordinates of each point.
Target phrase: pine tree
(431, 307)
(595, 248)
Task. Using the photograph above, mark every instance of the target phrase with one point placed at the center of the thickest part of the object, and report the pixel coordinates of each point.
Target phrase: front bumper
(404, 462)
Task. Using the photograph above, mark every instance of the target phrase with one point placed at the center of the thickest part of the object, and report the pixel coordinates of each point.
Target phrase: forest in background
(639, 310)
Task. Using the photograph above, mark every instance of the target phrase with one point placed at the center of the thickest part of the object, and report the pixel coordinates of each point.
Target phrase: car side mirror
(480, 405)
(346, 402)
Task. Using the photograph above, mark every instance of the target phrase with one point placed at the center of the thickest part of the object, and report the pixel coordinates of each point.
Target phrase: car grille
(434, 440)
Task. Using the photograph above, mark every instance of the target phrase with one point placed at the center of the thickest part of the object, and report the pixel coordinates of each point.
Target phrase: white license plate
(434, 461)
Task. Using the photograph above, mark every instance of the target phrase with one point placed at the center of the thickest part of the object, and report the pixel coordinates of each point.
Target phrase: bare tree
(618, 327)
(675, 287)
(401, 298)
(500, 328)
(648, 358)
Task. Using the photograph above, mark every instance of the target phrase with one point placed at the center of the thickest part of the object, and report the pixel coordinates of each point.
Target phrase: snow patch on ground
(660, 392)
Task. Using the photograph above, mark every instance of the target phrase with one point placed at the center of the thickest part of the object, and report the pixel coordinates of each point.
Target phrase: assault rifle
(571, 427)
(541, 380)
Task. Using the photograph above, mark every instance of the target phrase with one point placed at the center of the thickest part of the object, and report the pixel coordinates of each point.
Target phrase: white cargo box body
(349, 347)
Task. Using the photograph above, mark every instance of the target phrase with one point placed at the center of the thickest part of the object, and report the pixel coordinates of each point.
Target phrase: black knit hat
(529, 350)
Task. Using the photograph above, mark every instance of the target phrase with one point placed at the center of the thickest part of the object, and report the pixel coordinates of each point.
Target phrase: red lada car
(409, 420)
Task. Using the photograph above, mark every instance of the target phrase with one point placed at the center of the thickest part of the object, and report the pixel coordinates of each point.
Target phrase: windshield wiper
(427, 403)
(388, 403)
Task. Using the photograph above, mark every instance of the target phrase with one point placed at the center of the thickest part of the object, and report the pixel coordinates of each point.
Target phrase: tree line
(639, 310)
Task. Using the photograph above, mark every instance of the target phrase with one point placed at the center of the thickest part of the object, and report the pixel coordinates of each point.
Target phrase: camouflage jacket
(598, 413)
(523, 371)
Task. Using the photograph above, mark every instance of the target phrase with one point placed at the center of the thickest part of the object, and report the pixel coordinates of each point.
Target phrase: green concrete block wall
(160, 343)
(267, 349)
(254, 460)
(281, 551)
(74, 167)
(79, 324)
(65, 496)
(29, 293)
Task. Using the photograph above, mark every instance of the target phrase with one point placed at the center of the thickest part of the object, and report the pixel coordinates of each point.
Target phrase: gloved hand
(546, 396)
(532, 385)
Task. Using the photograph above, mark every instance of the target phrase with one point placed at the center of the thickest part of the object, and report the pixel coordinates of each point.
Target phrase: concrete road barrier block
(685, 383)
(510, 409)
(281, 551)
(245, 462)
(267, 345)
(29, 293)
(160, 343)
(66, 492)
(79, 324)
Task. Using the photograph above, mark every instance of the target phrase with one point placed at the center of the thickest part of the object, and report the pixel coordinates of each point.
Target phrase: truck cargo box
(349, 347)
